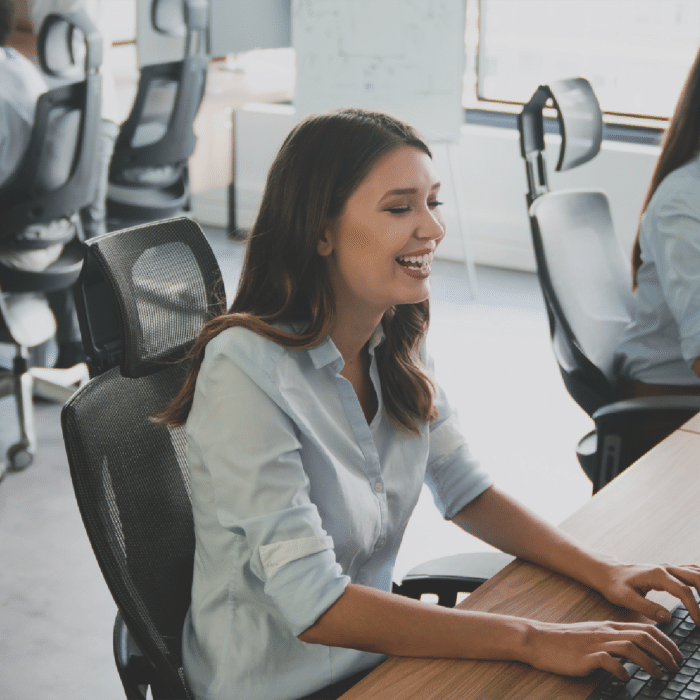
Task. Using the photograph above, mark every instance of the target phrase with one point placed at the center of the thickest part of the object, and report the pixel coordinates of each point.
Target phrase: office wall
(493, 184)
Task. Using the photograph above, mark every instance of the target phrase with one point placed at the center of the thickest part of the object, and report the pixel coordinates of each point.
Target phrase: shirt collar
(326, 353)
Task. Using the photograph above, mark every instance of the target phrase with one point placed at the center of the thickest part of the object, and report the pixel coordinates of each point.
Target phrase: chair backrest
(582, 270)
(55, 178)
(158, 132)
(160, 284)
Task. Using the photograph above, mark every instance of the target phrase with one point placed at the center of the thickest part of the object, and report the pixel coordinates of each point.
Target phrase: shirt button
(381, 542)
(378, 487)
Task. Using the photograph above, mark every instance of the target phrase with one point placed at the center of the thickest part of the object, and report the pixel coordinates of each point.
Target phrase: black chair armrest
(632, 408)
(448, 576)
(612, 451)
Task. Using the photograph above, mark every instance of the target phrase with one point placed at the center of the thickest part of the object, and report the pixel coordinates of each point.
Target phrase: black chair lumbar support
(53, 182)
(143, 296)
(585, 279)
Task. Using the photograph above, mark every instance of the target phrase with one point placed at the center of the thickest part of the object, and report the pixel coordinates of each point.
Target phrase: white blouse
(295, 496)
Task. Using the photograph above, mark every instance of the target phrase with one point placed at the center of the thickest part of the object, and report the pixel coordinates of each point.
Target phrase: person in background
(659, 354)
(313, 418)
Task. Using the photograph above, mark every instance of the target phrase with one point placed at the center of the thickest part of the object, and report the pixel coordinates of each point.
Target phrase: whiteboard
(405, 57)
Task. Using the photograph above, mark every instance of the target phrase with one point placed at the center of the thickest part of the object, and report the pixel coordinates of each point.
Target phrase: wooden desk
(693, 425)
(632, 518)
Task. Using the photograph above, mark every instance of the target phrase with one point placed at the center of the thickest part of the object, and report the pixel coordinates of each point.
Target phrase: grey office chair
(53, 182)
(149, 177)
(585, 280)
(143, 296)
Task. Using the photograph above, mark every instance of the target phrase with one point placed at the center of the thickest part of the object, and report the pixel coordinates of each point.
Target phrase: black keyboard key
(676, 685)
(633, 687)
(612, 689)
(657, 684)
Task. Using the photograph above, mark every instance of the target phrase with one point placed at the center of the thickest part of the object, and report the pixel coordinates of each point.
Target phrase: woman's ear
(324, 246)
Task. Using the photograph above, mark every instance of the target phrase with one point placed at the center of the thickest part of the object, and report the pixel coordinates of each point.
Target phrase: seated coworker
(660, 351)
(312, 421)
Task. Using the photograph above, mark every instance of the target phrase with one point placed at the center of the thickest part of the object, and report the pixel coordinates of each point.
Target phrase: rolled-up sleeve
(453, 474)
(674, 240)
(261, 492)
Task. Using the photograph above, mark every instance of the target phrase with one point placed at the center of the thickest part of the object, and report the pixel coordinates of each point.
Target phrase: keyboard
(684, 685)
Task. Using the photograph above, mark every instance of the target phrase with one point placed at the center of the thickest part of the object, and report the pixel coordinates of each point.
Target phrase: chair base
(48, 383)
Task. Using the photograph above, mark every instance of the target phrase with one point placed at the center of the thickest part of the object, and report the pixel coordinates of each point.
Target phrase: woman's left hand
(626, 585)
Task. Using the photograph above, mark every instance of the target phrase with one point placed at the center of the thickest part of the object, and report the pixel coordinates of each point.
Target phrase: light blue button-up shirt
(294, 496)
(663, 340)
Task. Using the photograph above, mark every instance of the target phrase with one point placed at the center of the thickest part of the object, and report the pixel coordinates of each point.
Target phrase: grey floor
(492, 355)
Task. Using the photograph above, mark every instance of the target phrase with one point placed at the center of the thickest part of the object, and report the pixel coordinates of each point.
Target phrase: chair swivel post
(21, 454)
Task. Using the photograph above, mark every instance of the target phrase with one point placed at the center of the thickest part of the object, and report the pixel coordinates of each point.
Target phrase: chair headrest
(580, 122)
(144, 295)
(69, 45)
(177, 17)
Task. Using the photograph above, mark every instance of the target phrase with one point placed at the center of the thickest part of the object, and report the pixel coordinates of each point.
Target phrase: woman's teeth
(415, 260)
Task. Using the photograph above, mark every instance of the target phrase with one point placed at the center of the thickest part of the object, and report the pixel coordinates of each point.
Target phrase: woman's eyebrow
(410, 190)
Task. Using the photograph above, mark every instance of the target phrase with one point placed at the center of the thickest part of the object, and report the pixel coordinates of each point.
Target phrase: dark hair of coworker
(680, 145)
(7, 20)
(318, 167)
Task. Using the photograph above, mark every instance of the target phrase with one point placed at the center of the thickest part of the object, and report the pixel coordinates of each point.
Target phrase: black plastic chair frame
(602, 453)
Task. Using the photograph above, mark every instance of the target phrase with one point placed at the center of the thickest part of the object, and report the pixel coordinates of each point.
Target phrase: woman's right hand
(581, 648)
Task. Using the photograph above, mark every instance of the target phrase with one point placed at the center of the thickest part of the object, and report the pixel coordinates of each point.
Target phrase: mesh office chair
(148, 178)
(585, 280)
(53, 182)
(143, 296)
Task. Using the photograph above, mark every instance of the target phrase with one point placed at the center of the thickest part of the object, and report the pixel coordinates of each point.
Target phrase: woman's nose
(432, 225)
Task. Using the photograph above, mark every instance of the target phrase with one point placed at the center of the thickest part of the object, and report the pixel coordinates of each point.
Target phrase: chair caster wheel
(19, 457)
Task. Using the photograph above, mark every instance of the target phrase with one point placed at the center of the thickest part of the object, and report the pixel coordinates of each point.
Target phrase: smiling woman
(379, 248)
(312, 422)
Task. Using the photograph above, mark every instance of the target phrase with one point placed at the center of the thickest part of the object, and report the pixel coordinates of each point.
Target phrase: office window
(635, 53)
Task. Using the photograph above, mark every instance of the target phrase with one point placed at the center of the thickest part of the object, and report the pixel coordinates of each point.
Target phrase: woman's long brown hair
(681, 144)
(318, 167)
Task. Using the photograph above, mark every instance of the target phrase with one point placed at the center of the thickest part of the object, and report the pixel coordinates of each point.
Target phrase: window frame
(617, 126)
